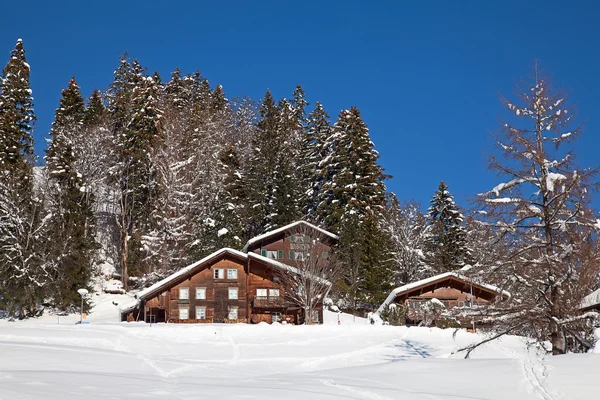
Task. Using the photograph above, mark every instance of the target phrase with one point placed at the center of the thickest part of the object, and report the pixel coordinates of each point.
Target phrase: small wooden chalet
(235, 286)
(451, 289)
(591, 302)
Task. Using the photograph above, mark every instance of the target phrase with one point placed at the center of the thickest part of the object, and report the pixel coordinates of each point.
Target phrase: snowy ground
(42, 359)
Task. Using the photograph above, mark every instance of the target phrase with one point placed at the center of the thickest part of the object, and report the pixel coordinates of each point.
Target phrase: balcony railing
(268, 302)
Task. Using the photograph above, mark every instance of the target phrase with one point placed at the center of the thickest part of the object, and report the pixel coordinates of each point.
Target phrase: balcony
(268, 302)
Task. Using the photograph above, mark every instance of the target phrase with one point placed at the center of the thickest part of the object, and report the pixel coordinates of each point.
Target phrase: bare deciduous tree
(309, 277)
(542, 215)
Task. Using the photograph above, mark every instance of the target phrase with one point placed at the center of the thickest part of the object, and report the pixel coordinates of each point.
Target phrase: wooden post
(248, 291)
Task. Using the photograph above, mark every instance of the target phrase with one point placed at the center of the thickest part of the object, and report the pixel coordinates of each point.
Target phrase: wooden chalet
(234, 286)
(451, 289)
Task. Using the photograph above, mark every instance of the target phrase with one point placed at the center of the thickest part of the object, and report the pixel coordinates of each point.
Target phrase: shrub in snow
(393, 314)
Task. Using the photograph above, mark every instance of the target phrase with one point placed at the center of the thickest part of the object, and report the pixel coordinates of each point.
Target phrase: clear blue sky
(426, 76)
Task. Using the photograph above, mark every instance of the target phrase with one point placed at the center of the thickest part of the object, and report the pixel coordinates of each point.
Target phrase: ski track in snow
(537, 383)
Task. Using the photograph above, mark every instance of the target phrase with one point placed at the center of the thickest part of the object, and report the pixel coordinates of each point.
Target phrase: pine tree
(353, 182)
(134, 105)
(72, 225)
(95, 110)
(284, 206)
(351, 203)
(313, 152)
(16, 119)
(262, 166)
(228, 227)
(406, 227)
(446, 242)
(23, 268)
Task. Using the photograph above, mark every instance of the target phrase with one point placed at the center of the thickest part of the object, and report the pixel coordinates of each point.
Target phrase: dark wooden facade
(202, 295)
(452, 290)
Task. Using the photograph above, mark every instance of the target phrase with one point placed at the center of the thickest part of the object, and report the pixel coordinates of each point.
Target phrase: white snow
(41, 359)
(592, 299)
(222, 231)
(552, 178)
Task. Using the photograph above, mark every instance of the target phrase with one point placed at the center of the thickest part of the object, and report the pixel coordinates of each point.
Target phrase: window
(298, 255)
(233, 293)
(273, 254)
(325, 255)
(273, 292)
(184, 313)
(275, 317)
(300, 239)
(261, 292)
(233, 313)
(219, 273)
(232, 273)
(201, 293)
(414, 304)
(184, 293)
(200, 312)
(315, 316)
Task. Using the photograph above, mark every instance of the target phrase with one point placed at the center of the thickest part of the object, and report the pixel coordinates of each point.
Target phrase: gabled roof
(277, 231)
(399, 291)
(592, 300)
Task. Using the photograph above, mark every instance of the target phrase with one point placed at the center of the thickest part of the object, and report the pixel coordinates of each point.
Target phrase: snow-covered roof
(285, 228)
(591, 300)
(408, 287)
(185, 270)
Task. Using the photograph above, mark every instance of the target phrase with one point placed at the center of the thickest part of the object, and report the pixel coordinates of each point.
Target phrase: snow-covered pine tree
(351, 204)
(72, 225)
(134, 106)
(312, 151)
(406, 227)
(446, 247)
(284, 206)
(94, 155)
(262, 165)
(23, 268)
(353, 181)
(188, 167)
(229, 212)
(543, 211)
(16, 120)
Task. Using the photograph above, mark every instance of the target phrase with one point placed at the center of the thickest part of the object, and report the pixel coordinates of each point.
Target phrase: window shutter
(306, 239)
(280, 254)
(293, 239)
(263, 252)
(292, 255)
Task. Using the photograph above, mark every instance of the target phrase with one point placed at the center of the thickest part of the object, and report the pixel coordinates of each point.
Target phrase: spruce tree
(446, 239)
(95, 110)
(313, 160)
(353, 181)
(228, 227)
(16, 120)
(23, 268)
(262, 165)
(135, 109)
(72, 225)
(351, 203)
(284, 206)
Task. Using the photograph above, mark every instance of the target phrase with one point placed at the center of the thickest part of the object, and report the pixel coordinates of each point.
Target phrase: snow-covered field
(42, 359)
